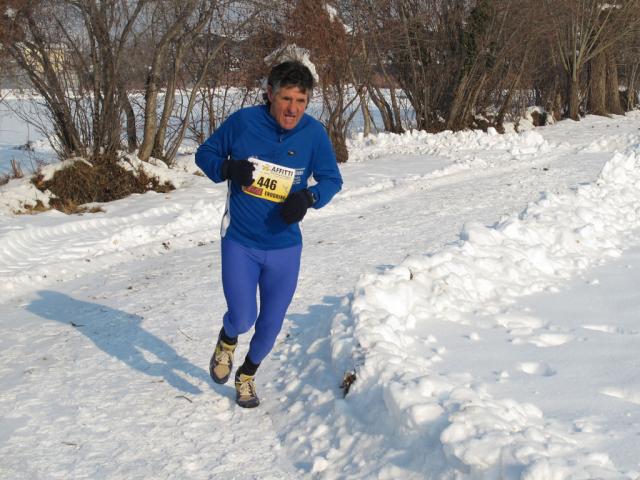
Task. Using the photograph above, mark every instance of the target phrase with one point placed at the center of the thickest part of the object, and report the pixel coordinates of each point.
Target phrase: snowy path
(104, 362)
(125, 392)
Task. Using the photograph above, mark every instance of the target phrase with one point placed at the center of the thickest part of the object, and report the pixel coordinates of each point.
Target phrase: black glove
(239, 171)
(296, 205)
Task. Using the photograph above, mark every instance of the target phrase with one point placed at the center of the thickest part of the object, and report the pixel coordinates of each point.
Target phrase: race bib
(270, 181)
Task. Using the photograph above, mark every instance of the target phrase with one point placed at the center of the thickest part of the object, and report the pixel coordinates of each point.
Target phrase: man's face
(287, 105)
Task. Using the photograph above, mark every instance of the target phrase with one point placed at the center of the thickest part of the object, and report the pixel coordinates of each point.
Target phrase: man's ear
(270, 93)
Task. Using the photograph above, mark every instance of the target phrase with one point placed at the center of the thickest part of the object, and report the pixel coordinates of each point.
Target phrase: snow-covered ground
(483, 288)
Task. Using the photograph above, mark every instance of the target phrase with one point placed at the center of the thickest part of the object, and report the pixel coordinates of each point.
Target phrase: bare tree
(318, 27)
(109, 25)
(183, 24)
(39, 53)
(74, 62)
(213, 66)
(581, 31)
(629, 65)
(370, 67)
(171, 18)
(228, 68)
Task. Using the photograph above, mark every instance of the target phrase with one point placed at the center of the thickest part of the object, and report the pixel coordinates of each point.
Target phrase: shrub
(105, 181)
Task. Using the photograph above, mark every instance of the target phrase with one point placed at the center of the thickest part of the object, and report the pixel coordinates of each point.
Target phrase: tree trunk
(339, 145)
(152, 88)
(613, 103)
(597, 84)
(395, 108)
(150, 118)
(364, 107)
(460, 103)
(499, 121)
(574, 97)
(167, 109)
(366, 115)
(631, 88)
(383, 108)
(132, 135)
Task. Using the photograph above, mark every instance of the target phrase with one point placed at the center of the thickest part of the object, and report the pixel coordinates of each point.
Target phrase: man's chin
(288, 124)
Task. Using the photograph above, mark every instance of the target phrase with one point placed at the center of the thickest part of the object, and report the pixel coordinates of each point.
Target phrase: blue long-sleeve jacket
(253, 132)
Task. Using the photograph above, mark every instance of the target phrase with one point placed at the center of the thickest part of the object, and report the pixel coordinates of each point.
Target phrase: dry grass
(70, 207)
(33, 209)
(16, 172)
(106, 181)
(347, 381)
(539, 119)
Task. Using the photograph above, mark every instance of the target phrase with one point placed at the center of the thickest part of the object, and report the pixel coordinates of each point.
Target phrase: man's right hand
(239, 171)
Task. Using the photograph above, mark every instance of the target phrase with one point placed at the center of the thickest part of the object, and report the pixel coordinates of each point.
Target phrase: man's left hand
(295, 206)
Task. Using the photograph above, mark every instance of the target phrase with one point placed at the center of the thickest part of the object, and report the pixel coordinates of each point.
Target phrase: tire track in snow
(36, 256)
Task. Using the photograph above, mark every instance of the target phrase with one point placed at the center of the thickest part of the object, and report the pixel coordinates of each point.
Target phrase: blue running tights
(275, 273)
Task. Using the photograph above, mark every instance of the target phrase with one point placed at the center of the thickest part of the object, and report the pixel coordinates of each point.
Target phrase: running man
(266, 154)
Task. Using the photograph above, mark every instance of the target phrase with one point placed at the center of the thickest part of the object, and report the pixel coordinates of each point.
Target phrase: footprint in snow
(610, 329)
(536, 368)
(622, 394)
(518, 324)
(524, 329)
(550, 339)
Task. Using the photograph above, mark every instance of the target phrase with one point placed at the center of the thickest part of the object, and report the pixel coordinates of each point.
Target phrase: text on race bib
(270, 181)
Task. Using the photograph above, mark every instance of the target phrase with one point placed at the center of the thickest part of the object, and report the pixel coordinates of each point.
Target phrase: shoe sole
(249, 404)
(218, 379)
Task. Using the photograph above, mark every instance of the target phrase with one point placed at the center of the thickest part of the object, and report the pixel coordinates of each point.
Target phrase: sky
(481, 287)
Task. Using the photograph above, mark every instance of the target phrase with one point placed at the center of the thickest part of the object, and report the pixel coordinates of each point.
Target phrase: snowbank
(447, 144)
(486, 270)
(20, 195)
